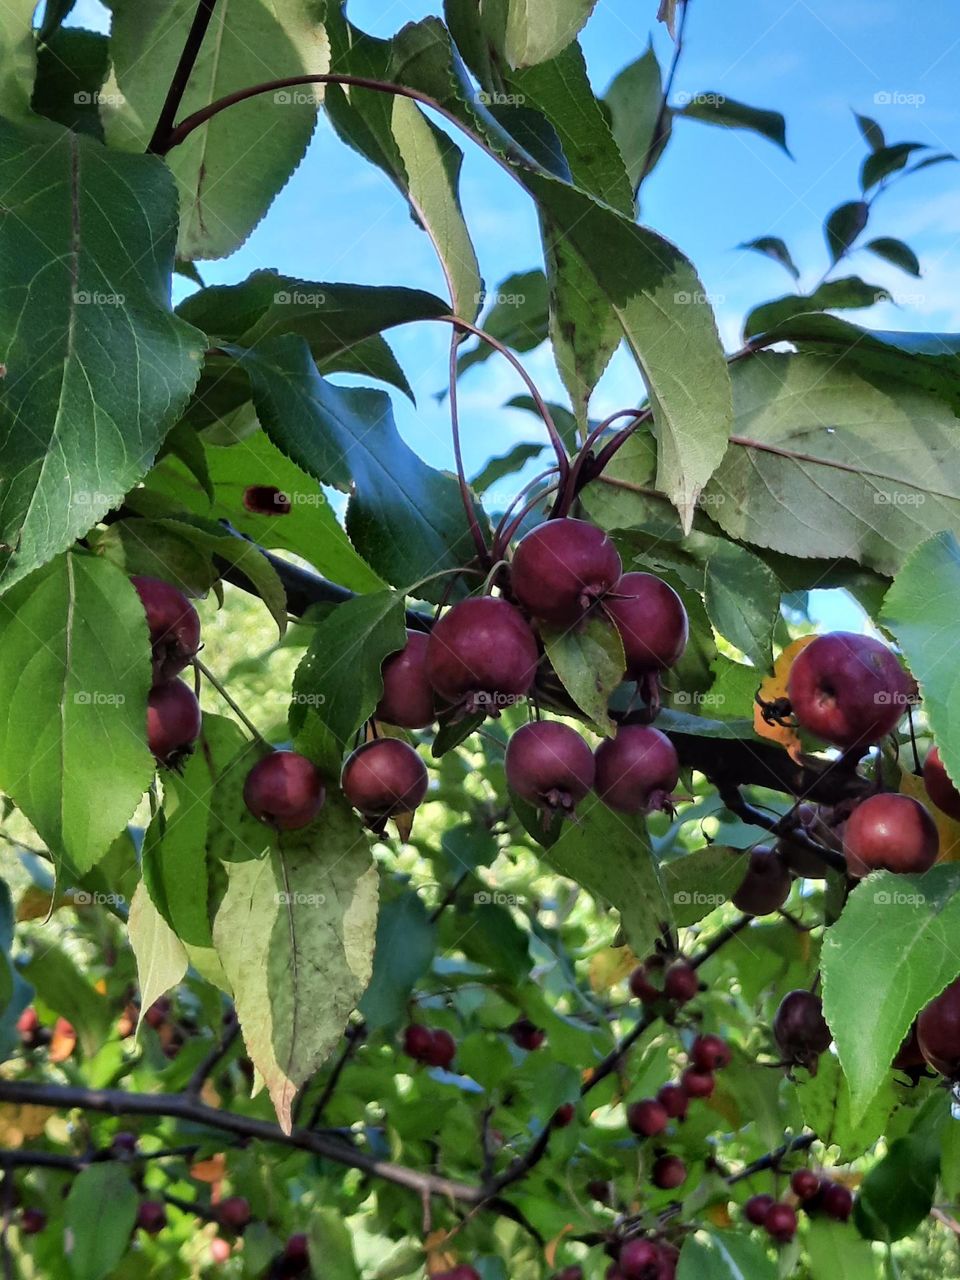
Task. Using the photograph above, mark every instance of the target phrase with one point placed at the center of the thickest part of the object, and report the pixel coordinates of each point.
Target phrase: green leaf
(634, 99)
(898, 1192)
(404, 518)
(886, 160)
(871, 131)
(895, 935)
(74, 706)
(724, 1255)
(668, 324)
(505, 465)
(18, 59)
(295, 935)
(338, 683)
(843, 226)
(895, 251)
(716, 108)
(589, 661)
(850, 291)
(100, 1213)
(609, 855)
(870, 489)
(331, 1242)
(742, 596)
(518, 317)
(838, 1252)
(161, 958)
(825, 1103)
(61, 985)
(224, 192)
(775, 248)
(564, 420)
(83, 308)
(919, 610)
(406, 941)
(699, 882)
(71, 68)
(540, 29)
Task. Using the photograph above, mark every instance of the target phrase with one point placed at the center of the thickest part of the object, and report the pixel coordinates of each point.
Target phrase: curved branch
(181, 76)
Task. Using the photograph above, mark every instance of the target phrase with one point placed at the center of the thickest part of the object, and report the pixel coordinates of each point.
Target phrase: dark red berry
(781, 1222)
(756, 1209)
(939, 785)
(698, 1084)
(417, 1041)
(407, 699)
(482, 655)
(284, 790)
(709, 1053)
(384, 778)
(157, 1013)
(669, 1261)
(669, 1172)
(938, 1032)
(569, 1273)
(890, 832)
(639, 1260)
(234, 1212)
(297, 1248)
(266, 500)
(637, 770)
(642, 987)
(847, 689)
(680, 982)
(563, 1116)
(548, 764)
(674, 1100)
(909, 1055)
(646, 1118)
(124, 1144)
(173, 623)
(836, 1201)
(173, 721)
(599, 1190)
(442, 1050)
(562, 568)
(800, 1030)
(151, 1216)
(651, 620)
(766, 885)
(527, 1035)
(32, 1221)
(804, 1183)
(29, 1029)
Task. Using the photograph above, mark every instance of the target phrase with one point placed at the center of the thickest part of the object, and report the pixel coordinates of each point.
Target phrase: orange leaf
(550, 1251)
(63, 1041)
(211, 1170)
(773, 687)
(947, 828)
(719, 1215)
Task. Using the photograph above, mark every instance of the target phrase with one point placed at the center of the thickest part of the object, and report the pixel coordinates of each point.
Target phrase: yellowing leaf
(610, 966)
(18, 1124)
(947, 828)
(212, 1170)
(774, 686)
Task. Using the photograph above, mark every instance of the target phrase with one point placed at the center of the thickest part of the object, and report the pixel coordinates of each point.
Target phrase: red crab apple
(756, 1209)
(173, 623)
(636, 770)
(417, 1042)
(938, 1031)
(669, 1172)
(562, 568)
(674, 1100)
(151, 1216)
(482, 655)
(847, 689)
(32, 1221)
(651, 620)
(940, 788)
(804, 1183)
(527, 1035)
(407, 699)
(548, 764)
(890, 832)
(765, 886)
(836, 1201)
(800, 1030)
(639, 1260)
(266, 500)
(284, 790)
(698, 1084)
(680, 982)
(234, 1212)
(384, 778)
(173, 721)
(709, 1053)
(781, 1222)
(646, 1118)
(443, 1049)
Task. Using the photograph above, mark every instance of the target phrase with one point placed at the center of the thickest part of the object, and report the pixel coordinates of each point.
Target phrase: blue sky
(813, 60)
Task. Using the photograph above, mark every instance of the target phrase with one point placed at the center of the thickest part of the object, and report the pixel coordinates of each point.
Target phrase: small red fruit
(642, 987)
(938, 1031)
(890, 832)
(220, 1250)
(836, 1201)
(669, 1172)
(32, 1221)
(527, 1035)
(297, 1249)
(909, 1055)
(266, 500)
(651, 620)
(234, 1212)
(800, 1029)
(384, 778)
(939, 786)
(709, 1053)
(29, 1028)
(563, 1116)
(698, 1084)
(781, 1222)
(599, 1190)
(124, 1143)
(548, 764)
(766, 885)
(847, 689)
(639, 1260)
(756, 1209)
(407, 698)
(636, 770)
(647, 1118)
(442, 1050)
(417, 1042)
(680, 982)
(569, 1273)
(482, 655)
(173, 623)
(674, 1100)
(562, 568)
(804, 1183)
(284, 790)
(151, 1216)
(173, 721)
(158, 1013)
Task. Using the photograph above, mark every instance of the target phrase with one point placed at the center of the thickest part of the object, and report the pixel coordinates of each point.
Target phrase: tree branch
(181, 76)
(773, 1159)
(209, 1064)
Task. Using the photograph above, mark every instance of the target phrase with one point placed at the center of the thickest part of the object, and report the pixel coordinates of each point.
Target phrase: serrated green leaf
(505, 465)
(886, 160)
(742, 596)
(18, 59)
(518, 317)
(295, 935)
(634, 100)
(331, 1242)
(100, 1214)
(895, 251)
(898, 1192)
(406, 940)
(775, 248)
(61, 985)
(716, 108)
(724, 1255)
(589, 662)
(838, 1252)
(74, 678)
(825, 1103)
(871, 131)
(540, 29)
(71, 68)
(161, 958)
(84, 307)
(843, 226)
(848, 292)
(699, 882)
(895, 934)
(223, 194)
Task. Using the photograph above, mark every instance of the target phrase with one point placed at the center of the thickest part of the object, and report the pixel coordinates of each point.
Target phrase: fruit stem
(507, 534)
(734, 801)
(181, 76)
(476, 532)
(499, 542)
(231, 703)
(441, 573)
(579, 473)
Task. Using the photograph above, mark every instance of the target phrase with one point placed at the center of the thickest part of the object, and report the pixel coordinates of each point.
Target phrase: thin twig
(658, 129)
(483, 551)
(773, 1159)
(181, 76)
(355, 1035)
(209, 1064)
